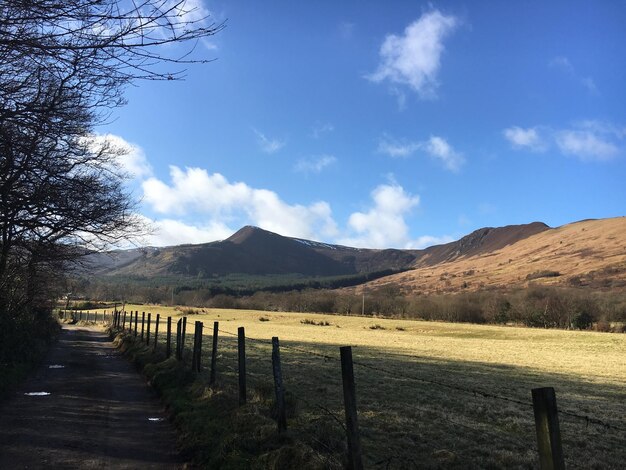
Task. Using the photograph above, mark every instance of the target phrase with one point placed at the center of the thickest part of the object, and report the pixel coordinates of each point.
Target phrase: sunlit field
(429, 394)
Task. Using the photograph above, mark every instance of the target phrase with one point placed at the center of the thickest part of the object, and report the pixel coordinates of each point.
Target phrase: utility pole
(363, 304)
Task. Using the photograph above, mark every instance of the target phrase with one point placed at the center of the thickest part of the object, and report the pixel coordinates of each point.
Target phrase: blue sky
(384, 124)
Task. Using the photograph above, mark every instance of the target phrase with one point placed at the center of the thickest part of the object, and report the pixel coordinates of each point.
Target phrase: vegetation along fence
(359, 409)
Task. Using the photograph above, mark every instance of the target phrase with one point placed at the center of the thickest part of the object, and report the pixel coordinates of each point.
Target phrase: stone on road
(95, 412)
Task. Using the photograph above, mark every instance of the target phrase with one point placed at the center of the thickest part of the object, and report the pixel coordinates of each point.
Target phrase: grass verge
(213, 430)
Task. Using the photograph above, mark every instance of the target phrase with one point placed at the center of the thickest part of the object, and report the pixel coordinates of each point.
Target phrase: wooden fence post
(156, 329)
(278, 386)
(184, 333)
(168, 338)
(197, 347)
(241, 348)
(349, 399)
(547, 426)
(148, 329)
(216, 326)
(136, 320)
(143, 323)
(179, 325)
(200, 331)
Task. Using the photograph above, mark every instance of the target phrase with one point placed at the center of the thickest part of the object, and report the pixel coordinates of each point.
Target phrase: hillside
(250, 251)
(590, 253)
(586, 253)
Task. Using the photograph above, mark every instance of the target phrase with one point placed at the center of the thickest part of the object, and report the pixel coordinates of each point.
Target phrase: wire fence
(406, 420)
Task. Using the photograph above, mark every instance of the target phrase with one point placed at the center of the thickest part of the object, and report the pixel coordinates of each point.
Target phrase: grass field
(425, 390)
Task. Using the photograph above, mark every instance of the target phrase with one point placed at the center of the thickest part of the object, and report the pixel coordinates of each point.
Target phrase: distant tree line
(536, 306)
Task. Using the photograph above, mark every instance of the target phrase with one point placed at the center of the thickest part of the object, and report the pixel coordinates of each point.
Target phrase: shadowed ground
(96, 416)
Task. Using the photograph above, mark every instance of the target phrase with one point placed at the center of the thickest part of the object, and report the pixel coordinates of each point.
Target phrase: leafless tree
(64, 65)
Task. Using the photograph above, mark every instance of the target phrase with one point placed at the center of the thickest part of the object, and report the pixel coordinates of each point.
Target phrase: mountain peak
(246, 233)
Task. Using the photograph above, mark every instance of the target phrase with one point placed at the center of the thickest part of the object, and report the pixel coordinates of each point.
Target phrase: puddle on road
(56, 366)
(37, 394)
(155, 420)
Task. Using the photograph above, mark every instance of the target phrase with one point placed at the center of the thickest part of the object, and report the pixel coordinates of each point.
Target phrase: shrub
(543, 273)
(313, 322)
(582, 321)
(602, 326)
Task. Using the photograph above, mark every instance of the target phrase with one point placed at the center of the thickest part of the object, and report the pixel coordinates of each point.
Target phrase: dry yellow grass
(572, 250)
(421, 386)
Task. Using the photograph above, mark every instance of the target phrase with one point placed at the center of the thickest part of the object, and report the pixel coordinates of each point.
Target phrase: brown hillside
(589, 253)
(480, 242)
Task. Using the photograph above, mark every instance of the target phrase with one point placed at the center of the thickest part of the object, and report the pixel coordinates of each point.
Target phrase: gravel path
(99, 413)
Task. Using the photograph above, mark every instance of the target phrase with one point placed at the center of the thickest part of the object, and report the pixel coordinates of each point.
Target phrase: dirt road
(99, 413)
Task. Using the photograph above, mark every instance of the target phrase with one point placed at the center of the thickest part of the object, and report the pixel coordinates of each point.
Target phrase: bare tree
(64, 65)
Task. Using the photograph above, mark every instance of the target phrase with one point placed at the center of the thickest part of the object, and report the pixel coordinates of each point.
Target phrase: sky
(383, 124)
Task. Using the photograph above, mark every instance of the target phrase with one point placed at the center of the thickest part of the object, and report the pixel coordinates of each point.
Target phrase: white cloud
(563, 63)
(315, 165)
(588, 140)
(131, 158)
(189, 10)
(586, 145)
(383, 225)
(442, 150)
(320, 129)
(524, 138)
(437, 147)
(195, 191)
(602, 127)
(589, 84)
(268, 145)
(167, 232)
(346, 29)
(394, 148)
(414, 58)
(426, 241)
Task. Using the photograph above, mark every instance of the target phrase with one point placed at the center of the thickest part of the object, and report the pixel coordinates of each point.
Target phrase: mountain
(589, 253)
(254, 251)
(251, 251)
(480, 242)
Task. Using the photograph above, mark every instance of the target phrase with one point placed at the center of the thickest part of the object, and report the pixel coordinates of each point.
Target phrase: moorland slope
(589, 253)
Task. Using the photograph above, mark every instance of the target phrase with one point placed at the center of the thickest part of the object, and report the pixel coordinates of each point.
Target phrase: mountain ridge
(255, 251)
